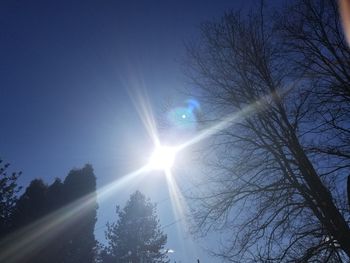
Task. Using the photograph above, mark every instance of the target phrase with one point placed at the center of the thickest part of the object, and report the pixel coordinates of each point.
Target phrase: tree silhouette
(40, 205)
(279, 171)
(32, 204)
(80, 240)
(8, 197)
(136, 236)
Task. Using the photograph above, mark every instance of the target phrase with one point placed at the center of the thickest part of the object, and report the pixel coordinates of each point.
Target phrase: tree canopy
(279, 178)
(69, 236)
(136, 236)
(8, 197)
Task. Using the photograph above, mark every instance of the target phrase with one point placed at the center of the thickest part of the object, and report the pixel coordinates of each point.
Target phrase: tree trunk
(332, 218)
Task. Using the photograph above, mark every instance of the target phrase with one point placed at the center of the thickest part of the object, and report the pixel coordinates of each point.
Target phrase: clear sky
(68, 74)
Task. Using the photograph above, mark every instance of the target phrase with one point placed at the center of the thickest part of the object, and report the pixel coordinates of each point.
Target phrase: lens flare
(184, 118)
(34, 237)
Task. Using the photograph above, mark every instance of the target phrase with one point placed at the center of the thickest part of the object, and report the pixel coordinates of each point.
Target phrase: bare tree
(279, 198)
(318, 47)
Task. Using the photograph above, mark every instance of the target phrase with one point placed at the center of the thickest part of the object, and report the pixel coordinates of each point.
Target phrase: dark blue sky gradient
(65, 71)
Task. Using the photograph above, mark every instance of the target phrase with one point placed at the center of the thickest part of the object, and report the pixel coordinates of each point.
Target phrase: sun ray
(175, 195)
(234, 117)
(34, 237)
(141, 102)
(181, 212)
(228, 121)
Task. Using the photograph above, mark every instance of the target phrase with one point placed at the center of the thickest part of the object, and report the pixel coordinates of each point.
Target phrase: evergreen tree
(40, 205)
(8, 198)
(32, 205)
(136, 236)
(80, 242)
(55, 194)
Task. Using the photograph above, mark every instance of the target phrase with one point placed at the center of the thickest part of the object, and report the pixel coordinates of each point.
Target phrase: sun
(163, 158)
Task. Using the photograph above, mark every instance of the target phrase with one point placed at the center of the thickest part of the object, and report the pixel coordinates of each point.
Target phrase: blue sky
(68, 71)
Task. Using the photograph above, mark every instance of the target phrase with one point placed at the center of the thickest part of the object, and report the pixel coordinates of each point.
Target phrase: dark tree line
(55, 223)
(280, 175)
(75, 242)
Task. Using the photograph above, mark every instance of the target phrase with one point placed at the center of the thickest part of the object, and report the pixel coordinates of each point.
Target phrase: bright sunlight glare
(162, 158)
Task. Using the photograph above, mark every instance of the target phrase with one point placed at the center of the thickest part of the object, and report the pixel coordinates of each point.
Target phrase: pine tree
(80, 184)
(41, 204)
(136, 237)
(8, 197)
